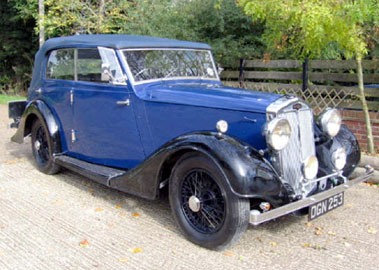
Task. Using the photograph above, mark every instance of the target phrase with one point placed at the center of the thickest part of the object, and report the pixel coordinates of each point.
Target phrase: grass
(5, 98)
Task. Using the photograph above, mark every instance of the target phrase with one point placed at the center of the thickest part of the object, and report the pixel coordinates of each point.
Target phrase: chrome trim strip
(257, 218)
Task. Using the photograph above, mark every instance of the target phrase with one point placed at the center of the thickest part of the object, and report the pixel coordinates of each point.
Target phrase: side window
(110, 66)
(61, 65)
(99, 65)
(89, 65)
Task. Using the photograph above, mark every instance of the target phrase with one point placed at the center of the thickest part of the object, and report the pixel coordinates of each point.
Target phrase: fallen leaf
(10, 162)
(137, 250)
(332, 233)
(118, 207)
(228, 253)
(305, 245)
(84, 243)
(371, 230)
(123, 259)
(349, 205)
(91, 191)
(136, 215)
(274, 244)
(99, 209)
(241, 258)
(318, 230)
(308, 224)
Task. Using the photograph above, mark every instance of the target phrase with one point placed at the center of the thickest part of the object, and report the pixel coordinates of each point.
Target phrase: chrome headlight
(339, 158)
(278, 133)
(330, 122)
(310, 167)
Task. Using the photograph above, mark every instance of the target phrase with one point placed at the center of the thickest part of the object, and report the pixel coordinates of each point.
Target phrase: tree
(70, 17)
(307, 27)
(222, 24)
(17, 47)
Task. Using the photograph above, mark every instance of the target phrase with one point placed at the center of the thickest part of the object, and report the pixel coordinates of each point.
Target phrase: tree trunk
(101, 16)
(370, 141)
(41, 15)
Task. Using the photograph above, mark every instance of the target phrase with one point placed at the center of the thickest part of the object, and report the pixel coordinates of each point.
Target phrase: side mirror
(106, 74)
(219, 69)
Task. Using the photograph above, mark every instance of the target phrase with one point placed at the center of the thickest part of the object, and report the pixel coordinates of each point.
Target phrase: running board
(98, 173)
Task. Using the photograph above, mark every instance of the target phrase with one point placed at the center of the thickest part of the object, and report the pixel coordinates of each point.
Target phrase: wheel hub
(194, 204)
(37, 145)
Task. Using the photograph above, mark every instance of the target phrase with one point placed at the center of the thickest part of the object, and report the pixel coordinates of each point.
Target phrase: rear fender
(34, 110)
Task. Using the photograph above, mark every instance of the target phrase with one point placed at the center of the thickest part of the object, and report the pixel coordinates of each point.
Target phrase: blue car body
(139, 114)
(159, 111)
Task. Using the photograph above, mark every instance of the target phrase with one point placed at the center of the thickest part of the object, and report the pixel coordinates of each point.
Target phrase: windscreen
(170, 64)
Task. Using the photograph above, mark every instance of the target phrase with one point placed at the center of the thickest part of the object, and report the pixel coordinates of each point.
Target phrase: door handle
(124, 102)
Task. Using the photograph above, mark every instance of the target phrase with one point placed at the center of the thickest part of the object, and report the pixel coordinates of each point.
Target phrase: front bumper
(256, 217)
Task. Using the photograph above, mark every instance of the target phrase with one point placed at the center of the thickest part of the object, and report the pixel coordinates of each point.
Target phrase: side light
(222, 126)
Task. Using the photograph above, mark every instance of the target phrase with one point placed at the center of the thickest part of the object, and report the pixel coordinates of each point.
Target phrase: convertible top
(107, 40)
(119, 42)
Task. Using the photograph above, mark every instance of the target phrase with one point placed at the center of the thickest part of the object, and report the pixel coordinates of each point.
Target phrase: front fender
(248, 174)
(37, 109)
(345, 138)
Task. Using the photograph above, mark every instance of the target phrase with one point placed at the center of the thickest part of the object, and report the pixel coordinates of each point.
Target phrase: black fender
(249, 175)
(37, 109)
(345, 138)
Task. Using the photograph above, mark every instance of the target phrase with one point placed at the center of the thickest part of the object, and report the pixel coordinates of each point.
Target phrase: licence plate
(325, 206)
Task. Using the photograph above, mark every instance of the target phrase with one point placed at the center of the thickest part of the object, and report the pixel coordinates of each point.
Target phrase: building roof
(119, 42)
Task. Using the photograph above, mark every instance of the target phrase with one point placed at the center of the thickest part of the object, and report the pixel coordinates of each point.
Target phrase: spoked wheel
(202, 201)
(203, 205)
(42, 149)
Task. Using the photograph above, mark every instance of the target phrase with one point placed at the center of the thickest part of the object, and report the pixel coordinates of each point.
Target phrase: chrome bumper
(256, 217)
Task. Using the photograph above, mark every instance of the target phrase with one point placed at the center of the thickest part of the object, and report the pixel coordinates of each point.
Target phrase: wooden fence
(322, 83)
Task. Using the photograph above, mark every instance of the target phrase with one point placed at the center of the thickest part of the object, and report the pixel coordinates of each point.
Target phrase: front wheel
(42, 147)
(203, 205)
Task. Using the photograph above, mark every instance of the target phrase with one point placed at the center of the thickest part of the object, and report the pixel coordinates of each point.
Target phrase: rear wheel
(203, 205)
(42, 149)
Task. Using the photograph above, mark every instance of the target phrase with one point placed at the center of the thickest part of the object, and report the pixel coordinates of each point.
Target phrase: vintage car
(143, 114)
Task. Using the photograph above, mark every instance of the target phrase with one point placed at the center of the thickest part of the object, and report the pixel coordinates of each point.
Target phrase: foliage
(222, 24)
(308, 28)
(5, 98)
(17, 48)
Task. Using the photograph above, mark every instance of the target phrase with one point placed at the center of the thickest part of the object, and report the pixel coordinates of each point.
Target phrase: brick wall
(355, 121)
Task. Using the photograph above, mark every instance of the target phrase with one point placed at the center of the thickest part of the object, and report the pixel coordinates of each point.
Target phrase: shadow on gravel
(158, 210)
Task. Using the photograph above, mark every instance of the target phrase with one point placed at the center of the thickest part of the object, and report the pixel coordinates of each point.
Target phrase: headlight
(278, 133)
(310, 167)
(339, 158)
(330, 122)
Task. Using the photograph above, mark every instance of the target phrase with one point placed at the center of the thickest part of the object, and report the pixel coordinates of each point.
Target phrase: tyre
(203, 205)
(42, 147)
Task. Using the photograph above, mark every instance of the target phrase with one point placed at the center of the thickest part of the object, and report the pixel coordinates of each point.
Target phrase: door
(56, 90)
(105, 130)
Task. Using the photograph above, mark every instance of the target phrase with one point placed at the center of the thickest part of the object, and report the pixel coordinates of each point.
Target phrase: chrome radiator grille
(301, 145)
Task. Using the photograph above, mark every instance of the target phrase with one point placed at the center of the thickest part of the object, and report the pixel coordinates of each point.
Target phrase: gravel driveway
(68, 222)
